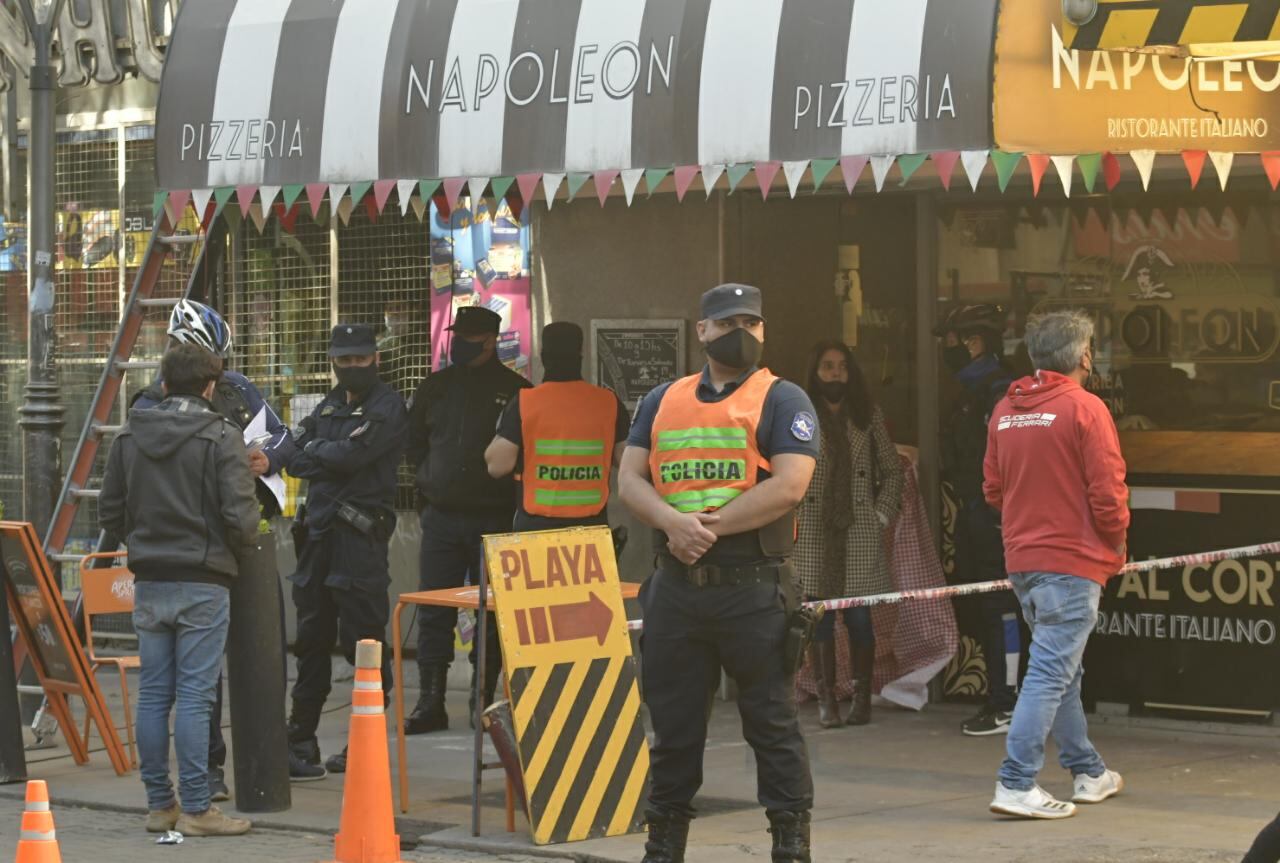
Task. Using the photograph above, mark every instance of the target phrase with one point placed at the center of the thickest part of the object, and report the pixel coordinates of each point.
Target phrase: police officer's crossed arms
(717, 463)
(562, 439)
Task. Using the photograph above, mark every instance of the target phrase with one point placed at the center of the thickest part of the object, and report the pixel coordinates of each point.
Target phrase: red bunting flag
(604, 182)
(944, 163)
(1271, 164)
(765, 172)
(452, 189)
(1110, 170)
(381, 192)
(244, 194)
(1194, 160)
(1039, 163)
(851, 167)
(315, 197)
(684, 179)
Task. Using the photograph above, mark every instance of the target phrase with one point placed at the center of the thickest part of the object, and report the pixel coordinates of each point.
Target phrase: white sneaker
(1035, 803)
(1091, 790)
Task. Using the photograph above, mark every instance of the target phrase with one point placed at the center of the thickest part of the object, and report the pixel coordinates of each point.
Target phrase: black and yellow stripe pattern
(582, 747)
(1131, 24)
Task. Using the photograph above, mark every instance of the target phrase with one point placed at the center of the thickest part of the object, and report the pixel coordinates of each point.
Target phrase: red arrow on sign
(590, 619)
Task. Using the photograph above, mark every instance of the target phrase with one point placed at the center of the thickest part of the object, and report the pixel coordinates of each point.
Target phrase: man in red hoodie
(1054, 470)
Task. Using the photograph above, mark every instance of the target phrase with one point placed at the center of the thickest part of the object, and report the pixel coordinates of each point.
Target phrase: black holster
(802, 623)
(298, 530)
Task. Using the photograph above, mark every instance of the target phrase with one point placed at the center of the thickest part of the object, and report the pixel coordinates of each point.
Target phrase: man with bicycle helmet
(236, 398)
(973, 352)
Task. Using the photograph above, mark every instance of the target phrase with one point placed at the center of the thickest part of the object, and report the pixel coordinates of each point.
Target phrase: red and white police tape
(1200, 559)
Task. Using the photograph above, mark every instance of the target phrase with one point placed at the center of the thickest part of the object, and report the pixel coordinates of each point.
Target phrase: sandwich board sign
(575, 701)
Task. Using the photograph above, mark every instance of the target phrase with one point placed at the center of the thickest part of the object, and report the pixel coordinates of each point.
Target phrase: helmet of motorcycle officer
(195, 323)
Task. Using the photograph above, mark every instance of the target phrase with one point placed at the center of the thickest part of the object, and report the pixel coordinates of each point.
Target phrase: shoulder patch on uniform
(364, 428)
(803, 426)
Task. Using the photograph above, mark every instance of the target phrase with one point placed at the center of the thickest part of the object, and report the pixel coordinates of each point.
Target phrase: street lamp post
(42, 414)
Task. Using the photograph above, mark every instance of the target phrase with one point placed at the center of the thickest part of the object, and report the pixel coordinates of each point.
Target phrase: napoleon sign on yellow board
(574, 696)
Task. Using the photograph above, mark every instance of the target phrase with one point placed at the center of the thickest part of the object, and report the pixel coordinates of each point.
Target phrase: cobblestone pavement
(96, 835)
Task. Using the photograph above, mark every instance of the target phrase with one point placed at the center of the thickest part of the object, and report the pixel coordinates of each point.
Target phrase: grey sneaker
(1091, 789)
(218, 790)
(162, 820)
(211, 822)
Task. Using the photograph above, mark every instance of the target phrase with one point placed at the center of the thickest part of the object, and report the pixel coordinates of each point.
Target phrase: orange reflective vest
(704, 454)
(568, 431)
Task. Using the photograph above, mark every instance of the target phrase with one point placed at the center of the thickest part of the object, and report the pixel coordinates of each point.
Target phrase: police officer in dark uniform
(451, 420)
(972, 351)
(717, 463)
(349, 450)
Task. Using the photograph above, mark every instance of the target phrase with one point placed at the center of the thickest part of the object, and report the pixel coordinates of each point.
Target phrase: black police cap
(352, 340)
(475, 320)
(725, 301)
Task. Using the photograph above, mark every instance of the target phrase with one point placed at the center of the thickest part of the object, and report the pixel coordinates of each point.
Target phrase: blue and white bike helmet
(195, 323)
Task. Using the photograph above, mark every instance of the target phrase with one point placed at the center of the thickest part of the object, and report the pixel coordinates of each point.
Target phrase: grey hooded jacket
(179, 489)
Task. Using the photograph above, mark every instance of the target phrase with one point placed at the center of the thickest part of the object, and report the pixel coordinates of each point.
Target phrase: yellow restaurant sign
(1050, 98)
(1194, 25)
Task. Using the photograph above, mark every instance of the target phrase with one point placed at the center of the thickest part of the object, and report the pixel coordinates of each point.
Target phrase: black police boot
(304, 755)
(429, 714)
(790, 836)
(668, 834)
(337, 763)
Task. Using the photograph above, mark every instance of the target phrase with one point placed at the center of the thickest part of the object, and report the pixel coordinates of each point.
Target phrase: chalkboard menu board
(34, 608)
(632, 357)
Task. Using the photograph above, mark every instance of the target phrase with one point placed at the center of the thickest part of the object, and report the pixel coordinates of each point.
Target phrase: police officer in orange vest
(717, 463)
(569, 435)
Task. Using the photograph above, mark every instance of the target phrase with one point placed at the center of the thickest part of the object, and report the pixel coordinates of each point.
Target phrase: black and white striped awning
(279, 92)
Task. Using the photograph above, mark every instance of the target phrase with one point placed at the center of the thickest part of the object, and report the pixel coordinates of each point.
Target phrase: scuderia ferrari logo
(1022, 421)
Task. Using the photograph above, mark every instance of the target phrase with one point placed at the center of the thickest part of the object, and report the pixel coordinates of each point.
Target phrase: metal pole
(13, 762)
(481, 645)
(927, 360)
(42, 414)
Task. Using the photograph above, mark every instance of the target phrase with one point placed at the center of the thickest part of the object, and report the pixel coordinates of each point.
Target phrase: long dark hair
(858, 404)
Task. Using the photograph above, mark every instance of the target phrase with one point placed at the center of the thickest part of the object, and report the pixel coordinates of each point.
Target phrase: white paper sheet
(274, 482)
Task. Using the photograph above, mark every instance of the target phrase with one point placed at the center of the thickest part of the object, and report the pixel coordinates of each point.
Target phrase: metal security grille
(383, 281)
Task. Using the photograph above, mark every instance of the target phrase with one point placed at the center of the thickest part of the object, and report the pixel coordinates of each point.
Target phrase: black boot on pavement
(668, 834)
(218, 790)
(429, 713)
(863, 660)
(337, 763)
(822, 657)
(304, 749)
(790, 836)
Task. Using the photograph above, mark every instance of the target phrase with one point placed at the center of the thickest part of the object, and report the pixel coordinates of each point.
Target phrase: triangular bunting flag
(1063, 166)
(476, 187)
(604, 182)
(500, 186)
(315, 197)
(178, 200)
(851, 167)
(404, 192)
(880, 166)
(1194, 162)
(975, 162)
(292, 192)
(452, 190)
(266, 197)
(1222, 164)
(711, 176)
(337, 191)
(288, 217)
(427, 188)
(200, 200)
(944, 162)
(910, 163)
(221, 196)
(244, 196)
(1144, 161)
(359, 190)
(259, 218)
(550, 185)
(381, 193)
(577, 180)
(1006, 164)
(371, 208)
(794, 172)
(1089, 164)
(821, 169)
(345, 206)
(157, 203)
(684, 179)
(736, 174)
(1271, 164)
(234, 219)
(631, 179)
(765, 172)
(1110, 170)
(653, 178)
(528, 185)
(419, 205)
(1038, 163)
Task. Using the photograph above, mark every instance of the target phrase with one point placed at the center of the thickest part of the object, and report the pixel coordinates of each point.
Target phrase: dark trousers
(451, 557)
(980, 555)
(340, 592)
(857, 621)
(690, 634)
(1266, 848)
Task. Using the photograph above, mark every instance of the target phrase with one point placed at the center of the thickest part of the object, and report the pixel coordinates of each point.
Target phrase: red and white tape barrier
(1199, 559)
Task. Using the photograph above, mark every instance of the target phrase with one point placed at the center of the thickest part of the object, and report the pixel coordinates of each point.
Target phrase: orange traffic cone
(37, 843)
(367, 833)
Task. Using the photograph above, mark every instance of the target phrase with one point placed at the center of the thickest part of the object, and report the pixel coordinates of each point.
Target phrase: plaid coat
(866, 566)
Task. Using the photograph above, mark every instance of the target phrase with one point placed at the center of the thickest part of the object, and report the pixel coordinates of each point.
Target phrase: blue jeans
(1061, 611)
(857, 621)
(182, 630)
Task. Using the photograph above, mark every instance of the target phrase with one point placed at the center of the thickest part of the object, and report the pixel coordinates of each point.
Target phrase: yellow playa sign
(575, 700)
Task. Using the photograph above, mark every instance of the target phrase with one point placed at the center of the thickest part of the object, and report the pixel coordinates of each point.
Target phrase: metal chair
(109, 590)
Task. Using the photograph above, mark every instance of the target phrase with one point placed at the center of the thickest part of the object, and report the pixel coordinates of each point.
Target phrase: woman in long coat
(855, 494)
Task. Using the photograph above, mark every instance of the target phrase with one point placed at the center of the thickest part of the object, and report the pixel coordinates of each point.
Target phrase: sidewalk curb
(18, 793)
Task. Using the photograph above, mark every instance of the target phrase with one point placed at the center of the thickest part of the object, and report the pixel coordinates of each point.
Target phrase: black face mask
(833, 391)
(736, 350)
(357, 379)
(463, 352)
(956, 357)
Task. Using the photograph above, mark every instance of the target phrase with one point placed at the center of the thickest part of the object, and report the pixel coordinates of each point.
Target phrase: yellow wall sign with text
(575, 699)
